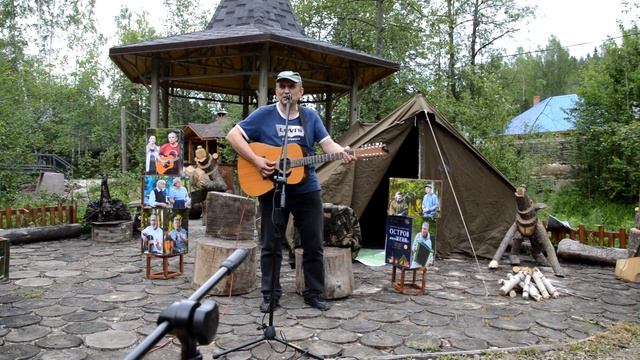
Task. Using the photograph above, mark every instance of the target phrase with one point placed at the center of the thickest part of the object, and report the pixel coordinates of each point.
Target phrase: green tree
(607, 142)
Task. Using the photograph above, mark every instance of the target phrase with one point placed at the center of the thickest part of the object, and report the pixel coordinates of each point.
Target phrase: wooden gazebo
(244, 45)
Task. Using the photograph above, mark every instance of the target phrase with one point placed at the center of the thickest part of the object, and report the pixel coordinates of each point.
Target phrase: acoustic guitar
(165, 163)
(253, 184)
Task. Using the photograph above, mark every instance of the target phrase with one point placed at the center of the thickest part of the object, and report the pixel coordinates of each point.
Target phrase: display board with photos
(165, 195)
(413, 213)
(164, 152)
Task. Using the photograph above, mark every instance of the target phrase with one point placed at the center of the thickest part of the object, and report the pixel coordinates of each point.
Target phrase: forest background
(59, 96)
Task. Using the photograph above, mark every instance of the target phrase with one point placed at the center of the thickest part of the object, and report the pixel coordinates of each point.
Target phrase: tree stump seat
(211, 252)
(338, 272)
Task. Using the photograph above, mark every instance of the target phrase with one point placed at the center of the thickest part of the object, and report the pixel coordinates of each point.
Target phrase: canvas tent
(486, 197)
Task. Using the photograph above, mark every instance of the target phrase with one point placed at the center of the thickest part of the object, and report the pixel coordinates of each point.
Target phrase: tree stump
(229, 217)
(211, 252)
(338, 273)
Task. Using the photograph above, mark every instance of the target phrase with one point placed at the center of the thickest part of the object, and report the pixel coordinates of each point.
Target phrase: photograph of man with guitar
(259, 140)
(169, 160)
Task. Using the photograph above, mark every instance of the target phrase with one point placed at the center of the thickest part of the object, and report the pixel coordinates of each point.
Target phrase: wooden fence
(39, 216)
(615, 239)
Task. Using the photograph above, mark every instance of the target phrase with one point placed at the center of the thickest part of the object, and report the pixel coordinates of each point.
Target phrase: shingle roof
(552, 114)
(276, 14)
(209, 131)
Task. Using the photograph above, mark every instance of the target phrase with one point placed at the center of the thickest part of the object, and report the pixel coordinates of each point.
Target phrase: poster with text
(419, 202)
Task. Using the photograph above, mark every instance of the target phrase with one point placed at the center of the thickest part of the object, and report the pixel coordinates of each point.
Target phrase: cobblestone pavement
(76, 299)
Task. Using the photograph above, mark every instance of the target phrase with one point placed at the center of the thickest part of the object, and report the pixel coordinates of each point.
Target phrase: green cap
(289, 75)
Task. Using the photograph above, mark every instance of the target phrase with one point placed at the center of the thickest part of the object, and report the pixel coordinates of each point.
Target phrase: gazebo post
(155, 82)
(165, 106)
(328, 110)
(263, 84)
(353, 100)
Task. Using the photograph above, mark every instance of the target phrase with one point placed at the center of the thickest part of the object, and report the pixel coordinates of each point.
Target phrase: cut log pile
(530, 282)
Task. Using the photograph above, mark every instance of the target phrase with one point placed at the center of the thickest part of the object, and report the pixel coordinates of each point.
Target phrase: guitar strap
(303, 122)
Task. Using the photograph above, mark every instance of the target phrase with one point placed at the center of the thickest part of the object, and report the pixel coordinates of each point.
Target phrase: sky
(587, 22)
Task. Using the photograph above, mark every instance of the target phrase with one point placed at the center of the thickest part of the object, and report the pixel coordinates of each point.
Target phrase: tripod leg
(239, 347)
(299, 349)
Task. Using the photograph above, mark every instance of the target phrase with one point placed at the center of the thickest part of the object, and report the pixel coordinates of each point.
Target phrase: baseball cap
(289, 75)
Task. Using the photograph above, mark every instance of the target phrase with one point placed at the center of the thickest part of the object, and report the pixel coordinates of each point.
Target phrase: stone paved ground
(75, 299)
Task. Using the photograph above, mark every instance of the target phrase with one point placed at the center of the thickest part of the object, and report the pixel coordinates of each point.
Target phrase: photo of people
(152, 150)
(177, 233)
(164, 149)
(167, 192)
(152, 235)
(417, 201)
(164, 232)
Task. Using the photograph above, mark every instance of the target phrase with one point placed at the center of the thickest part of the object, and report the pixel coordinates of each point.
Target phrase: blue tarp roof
(550, 115)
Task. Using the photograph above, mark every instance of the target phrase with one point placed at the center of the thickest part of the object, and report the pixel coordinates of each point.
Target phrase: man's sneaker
(264, 307)
(318, 303)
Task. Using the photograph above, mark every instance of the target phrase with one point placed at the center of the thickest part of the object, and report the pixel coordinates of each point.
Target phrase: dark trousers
(308, 217)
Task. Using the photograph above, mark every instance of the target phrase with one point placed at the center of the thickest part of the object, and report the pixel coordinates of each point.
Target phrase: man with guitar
(169, 156)
(267, 125)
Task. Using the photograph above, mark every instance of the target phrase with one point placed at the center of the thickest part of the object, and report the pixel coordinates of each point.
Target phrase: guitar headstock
(372, 150)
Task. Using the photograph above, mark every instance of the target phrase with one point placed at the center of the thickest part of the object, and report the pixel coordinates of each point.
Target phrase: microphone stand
(280, 180)
(190, 321)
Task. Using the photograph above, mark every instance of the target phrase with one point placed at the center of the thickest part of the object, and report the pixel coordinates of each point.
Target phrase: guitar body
(165, 163)
(250, 178)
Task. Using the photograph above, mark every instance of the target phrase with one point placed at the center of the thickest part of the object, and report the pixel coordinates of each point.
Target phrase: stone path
(75, 299)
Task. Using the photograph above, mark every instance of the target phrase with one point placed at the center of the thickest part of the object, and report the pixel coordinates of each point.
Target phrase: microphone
(287, 97)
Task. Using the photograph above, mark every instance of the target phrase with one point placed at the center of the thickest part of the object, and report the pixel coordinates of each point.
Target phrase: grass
(568, 204)
(620, 341)
(32, 294)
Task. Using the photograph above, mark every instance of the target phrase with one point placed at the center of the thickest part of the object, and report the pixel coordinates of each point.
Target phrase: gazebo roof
(223, 58)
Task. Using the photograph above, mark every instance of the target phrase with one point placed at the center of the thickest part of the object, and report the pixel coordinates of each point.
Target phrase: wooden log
(527, 281)
(511, 283)
(211, 252)
(506, 240)
(537, 278)
(533, 291)
(338, 272)
(550, 288)
(229, 217)
(526, 216)
(543, 239)
(576, 251)
(41, 233)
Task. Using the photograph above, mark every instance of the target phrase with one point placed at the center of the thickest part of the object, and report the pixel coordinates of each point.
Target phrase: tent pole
(455, 197)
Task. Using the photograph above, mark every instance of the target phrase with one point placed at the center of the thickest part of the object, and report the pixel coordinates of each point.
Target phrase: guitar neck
(316, 159)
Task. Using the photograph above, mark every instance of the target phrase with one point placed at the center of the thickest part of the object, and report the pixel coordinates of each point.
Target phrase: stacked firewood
(531, 282)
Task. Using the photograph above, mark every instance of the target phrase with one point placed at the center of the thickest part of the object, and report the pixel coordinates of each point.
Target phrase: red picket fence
(39, 216)
(598, 237)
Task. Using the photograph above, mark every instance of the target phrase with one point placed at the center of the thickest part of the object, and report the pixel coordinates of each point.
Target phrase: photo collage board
(165, 195)
(413, 213)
